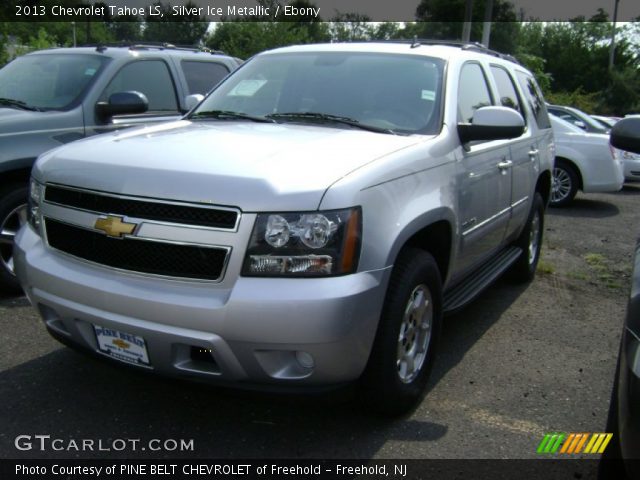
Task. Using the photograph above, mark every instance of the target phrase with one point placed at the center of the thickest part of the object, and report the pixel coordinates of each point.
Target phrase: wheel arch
(543, 186)
(575, 167)
(433, 234)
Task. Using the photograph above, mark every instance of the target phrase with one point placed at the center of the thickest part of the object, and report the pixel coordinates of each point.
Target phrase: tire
(396, 375)
(564, 184)
(530, 241)
(13, 214)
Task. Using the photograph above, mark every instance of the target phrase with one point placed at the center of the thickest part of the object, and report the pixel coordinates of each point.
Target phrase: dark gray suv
(52, 97)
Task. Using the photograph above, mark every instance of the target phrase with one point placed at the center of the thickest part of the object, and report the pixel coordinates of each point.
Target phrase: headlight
(313, 244)
(36, 194)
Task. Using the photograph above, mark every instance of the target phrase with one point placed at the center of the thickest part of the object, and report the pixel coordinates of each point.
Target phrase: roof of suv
(117, 51)
(442, 49)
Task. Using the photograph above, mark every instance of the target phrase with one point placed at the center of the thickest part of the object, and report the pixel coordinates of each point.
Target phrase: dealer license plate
(122, 346)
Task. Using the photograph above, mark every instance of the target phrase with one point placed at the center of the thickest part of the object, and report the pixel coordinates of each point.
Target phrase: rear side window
(506, 89)
(534, 97)
(202, 76)
(151, 77)
(473, 92)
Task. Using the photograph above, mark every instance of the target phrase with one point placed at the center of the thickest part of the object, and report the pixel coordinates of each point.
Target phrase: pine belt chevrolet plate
(122, 346)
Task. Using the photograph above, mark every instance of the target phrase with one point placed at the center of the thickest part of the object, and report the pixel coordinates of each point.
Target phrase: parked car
(624, 410)
(578, 118)
(630, 160)
(52, 97)
(606, 122)
(631, 163)
(306, 226)
(584, 161)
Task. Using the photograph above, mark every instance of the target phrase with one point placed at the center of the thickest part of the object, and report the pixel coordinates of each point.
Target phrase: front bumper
(253, 328)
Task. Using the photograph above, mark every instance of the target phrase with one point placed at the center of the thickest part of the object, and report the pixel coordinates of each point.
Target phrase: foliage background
(569, 59)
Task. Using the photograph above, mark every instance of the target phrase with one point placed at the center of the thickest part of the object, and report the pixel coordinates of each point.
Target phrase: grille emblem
(114, 226)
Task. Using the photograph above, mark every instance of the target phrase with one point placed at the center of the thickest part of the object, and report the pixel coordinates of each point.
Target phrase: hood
(253, 166)
(14, 120)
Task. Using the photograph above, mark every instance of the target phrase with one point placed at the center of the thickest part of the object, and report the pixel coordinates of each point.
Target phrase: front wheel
(13, 214)
(403, 351)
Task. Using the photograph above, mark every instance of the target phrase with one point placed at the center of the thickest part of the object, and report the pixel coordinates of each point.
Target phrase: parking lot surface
(519, 362)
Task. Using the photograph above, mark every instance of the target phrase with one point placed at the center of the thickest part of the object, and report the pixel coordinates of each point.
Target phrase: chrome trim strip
(205, 206)
(495, 217)
(522, 200)
(488, 220)
(223, 270)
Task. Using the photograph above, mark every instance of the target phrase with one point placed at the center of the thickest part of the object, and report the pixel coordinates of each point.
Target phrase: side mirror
(122, 103)
(625, 135)
(492, 123)
(191, 101)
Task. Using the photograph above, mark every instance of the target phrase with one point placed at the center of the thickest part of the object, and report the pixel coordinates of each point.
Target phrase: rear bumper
(252, 329)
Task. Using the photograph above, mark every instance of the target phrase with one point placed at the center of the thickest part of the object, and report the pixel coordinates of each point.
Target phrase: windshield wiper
(10, 102)
(229, 115)
(325, 117)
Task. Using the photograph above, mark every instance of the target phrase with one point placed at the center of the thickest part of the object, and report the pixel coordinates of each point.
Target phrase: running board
(469, 289)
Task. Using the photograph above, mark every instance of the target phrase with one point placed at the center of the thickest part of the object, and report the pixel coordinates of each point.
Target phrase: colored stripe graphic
(574, 443)
(551, 442)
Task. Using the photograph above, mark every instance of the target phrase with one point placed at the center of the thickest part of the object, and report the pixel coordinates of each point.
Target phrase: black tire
(530, 241)
(12, 198)
(564, 184)
(389, 385)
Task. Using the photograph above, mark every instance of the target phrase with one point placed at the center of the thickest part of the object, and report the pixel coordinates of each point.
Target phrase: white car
(631, 162)
(584, 161)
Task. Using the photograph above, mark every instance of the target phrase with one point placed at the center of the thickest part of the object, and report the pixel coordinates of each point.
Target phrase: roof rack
(101, 47)
(474, 46)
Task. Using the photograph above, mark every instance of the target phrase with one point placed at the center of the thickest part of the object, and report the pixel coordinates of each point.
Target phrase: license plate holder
(122, 346)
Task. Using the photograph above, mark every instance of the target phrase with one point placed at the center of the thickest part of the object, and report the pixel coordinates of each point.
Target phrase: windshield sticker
(428, 95)
(89, 72)
(247, 88)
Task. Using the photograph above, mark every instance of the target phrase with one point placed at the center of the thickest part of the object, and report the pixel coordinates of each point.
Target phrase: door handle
(505, 164)
(533, 153)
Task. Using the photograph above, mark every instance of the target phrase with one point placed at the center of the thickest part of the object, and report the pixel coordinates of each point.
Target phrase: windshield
(48, 82)
(389, 93)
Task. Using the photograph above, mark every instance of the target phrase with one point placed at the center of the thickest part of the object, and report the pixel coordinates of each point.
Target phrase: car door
(523, 150)
(485, 177)
(151, 77)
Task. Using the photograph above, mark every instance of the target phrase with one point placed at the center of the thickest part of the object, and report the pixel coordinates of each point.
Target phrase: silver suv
(306, 226)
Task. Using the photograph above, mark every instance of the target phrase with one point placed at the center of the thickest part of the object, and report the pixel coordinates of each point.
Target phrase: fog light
(305, 359)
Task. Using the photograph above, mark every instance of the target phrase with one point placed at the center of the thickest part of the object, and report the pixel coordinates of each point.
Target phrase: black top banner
(317, 10)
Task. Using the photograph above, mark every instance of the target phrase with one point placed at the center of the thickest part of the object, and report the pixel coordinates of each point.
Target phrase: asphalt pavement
(519, 362)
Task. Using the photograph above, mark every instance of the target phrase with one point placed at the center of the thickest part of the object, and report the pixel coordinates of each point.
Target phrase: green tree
(444, 20)
(176, 29)
(242, 37)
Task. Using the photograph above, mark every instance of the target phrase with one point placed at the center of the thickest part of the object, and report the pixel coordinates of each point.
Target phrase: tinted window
(51, 81)
(506, 89)
(395, 92)
(473, 92)
(150, 77)
(534, 98)
(202, 76)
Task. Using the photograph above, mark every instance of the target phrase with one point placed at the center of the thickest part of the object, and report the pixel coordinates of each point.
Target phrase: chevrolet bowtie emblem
(120, 343)
(114, 226)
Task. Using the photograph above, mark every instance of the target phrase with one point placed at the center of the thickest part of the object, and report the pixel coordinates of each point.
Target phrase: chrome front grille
(170, 239)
